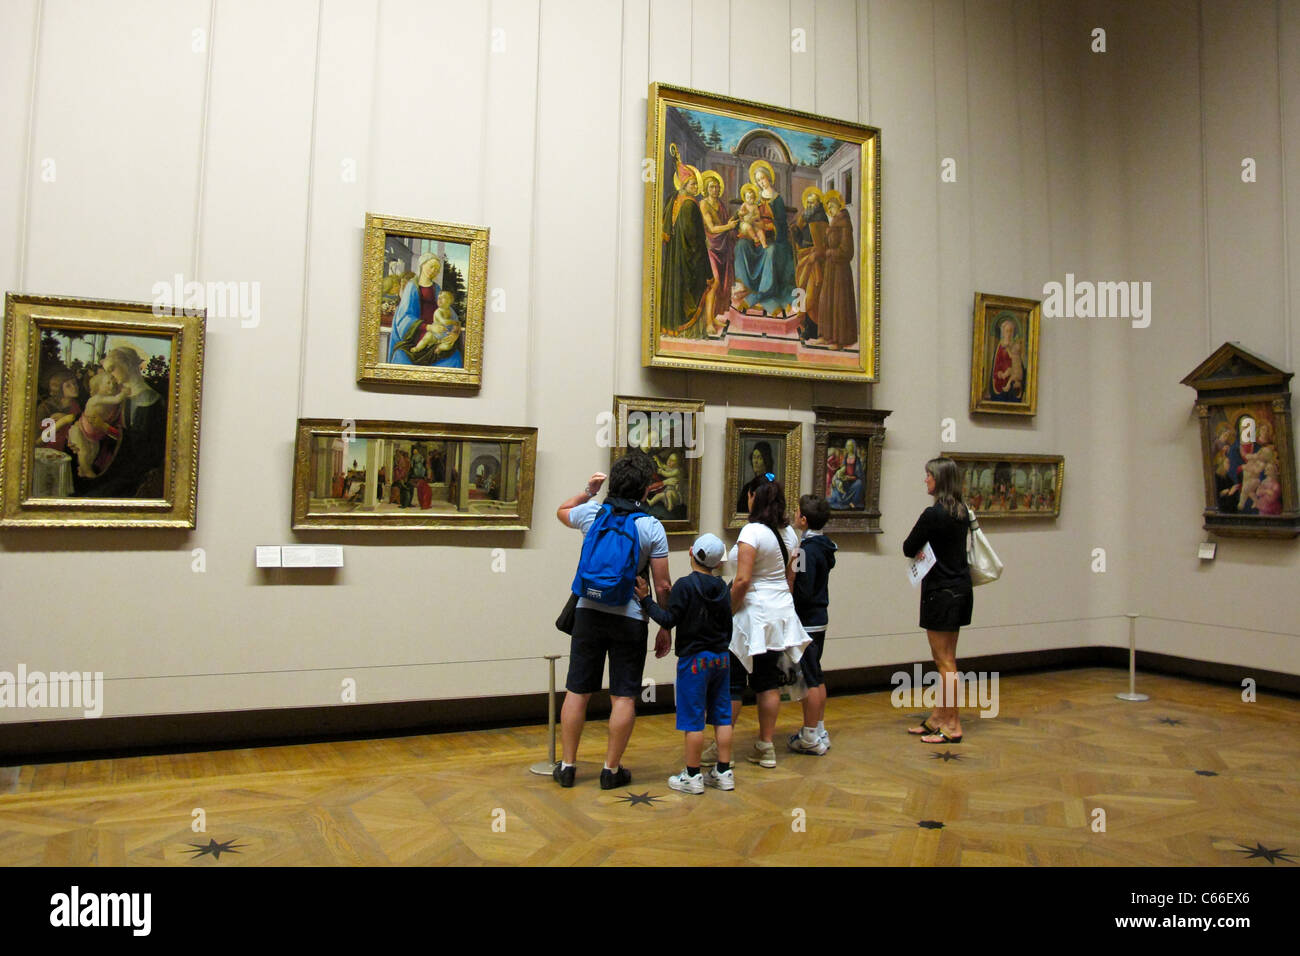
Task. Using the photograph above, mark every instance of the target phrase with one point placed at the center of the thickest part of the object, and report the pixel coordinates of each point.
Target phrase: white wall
(228, 163)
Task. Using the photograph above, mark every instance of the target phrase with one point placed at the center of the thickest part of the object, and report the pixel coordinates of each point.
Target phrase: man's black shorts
(597, 633)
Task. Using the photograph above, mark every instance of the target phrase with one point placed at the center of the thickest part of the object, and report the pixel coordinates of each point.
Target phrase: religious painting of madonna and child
(422, 298)
(1004, 357)
(403, 475)
(847, 448)
(101, 408)
(762, 247)
(1011, 486)
(669, 431)
(1243, 403)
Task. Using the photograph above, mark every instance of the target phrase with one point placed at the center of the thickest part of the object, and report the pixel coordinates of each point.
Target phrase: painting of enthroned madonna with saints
(762, 240)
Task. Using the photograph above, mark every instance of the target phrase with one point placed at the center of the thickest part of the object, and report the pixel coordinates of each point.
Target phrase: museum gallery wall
(508, 131)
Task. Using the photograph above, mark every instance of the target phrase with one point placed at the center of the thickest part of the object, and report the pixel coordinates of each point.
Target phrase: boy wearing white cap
(699, 607)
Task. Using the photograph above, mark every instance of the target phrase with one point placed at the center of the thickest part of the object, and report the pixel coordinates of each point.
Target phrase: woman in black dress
(946, 592)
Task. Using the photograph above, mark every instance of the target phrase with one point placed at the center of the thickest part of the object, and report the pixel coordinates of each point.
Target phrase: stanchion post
(544, 769)
(1132, 661)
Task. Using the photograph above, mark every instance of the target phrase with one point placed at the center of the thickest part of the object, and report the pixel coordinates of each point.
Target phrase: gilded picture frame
(848, 444)
(1004, 355)
(775, 447)
(1011, 486)
(410, 334)
(1248, 460)
(412, 476)
(783, 281)
(99, 413)
(669, 431)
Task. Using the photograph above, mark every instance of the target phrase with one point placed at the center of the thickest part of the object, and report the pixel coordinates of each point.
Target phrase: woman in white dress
(764, 623)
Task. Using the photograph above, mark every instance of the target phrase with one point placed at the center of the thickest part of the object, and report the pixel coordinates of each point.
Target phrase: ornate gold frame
(370, 368)
(663, 95)
(866, 421)
(25, 317)
(308, 428)
(1057, 460)
(979, 367)
(1233, 377)
(623, 405)
(741, 428)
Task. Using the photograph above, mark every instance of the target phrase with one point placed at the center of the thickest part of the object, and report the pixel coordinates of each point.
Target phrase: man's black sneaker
(609, 779)
(564, 775)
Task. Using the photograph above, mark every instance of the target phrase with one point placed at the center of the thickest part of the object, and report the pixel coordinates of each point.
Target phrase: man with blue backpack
(619, 542)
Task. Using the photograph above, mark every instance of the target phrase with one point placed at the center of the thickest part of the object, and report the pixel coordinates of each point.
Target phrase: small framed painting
(847, 448)
(756, 448)
(668, 430)
(408, 476)
(762, 240)
(1011, 486)
(100, 414)
(422, 302)
(1004, 355)
(1247, 445)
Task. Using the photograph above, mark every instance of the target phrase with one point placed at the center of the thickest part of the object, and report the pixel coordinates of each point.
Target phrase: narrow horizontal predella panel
(409, 476)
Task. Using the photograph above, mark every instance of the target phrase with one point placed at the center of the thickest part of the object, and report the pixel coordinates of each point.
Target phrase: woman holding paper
(946, 593)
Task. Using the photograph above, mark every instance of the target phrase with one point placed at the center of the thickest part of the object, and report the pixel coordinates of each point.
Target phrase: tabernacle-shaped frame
(99, 414)
(410, 476)
(848, 444)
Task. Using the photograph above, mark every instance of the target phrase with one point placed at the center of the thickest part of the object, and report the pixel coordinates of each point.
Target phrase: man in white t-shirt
(619, 632)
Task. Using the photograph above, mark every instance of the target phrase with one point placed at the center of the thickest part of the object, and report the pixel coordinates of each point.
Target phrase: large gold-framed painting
(411, 476)
(1004, 355)
(422, 303)
(99, 418)
(669, 431)
(756, 449)
(762, 240)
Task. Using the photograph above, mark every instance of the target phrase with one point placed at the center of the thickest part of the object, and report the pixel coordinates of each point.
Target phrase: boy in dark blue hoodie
(811, 598)
(700, 610)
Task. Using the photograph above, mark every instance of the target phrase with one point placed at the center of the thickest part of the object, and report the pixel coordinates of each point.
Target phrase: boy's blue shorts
(703, 691)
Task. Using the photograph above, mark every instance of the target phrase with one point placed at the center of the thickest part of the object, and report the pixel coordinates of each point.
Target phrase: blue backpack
(611, 555)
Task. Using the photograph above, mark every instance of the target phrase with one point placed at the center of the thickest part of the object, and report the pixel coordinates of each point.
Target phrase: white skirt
(767, 622)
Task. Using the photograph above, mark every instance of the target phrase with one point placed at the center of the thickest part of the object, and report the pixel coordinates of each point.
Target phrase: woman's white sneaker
(763, 755)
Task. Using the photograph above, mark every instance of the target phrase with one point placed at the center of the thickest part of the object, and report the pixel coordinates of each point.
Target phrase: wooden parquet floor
(1195, 776)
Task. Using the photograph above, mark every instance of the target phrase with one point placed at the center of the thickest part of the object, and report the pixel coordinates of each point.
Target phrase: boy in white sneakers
(810, 601)
(699, 607)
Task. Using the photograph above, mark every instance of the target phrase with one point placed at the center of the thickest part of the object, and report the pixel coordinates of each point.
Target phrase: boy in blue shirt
(699, 607)
(811, 599)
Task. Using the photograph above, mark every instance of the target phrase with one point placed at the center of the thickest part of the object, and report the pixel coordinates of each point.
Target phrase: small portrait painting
(1004, 362)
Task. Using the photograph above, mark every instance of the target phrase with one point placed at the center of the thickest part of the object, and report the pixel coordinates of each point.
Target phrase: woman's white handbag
(985, 566)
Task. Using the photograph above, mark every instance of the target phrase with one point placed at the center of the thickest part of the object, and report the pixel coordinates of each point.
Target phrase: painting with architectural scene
(397, 475)
(762, 240)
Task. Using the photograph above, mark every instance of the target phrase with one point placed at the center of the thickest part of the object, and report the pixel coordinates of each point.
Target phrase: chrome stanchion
(1132, 661)
(544, 768)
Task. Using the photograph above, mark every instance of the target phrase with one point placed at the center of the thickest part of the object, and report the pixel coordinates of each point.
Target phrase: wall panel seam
(311, 196)
(25, 218)
(1205, 186)
(1286, 235)
(203, 141)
